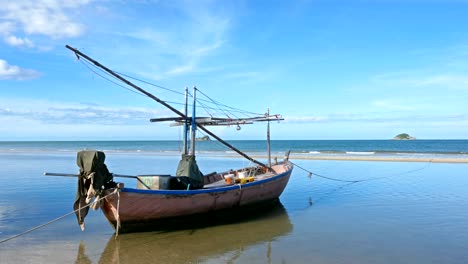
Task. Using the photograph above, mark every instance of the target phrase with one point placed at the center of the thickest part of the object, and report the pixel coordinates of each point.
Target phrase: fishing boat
(188, 194)
(138, 208)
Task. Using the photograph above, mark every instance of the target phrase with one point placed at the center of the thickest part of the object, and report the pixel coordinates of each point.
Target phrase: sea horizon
(91, 140)
(383, 150)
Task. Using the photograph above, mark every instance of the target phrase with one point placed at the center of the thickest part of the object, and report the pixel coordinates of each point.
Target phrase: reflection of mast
(269, 252)
(81, 256)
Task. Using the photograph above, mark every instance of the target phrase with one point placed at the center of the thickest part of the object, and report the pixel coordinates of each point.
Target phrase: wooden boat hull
(137, 208)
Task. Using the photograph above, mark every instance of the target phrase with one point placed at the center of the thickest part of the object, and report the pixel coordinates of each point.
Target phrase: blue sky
(333, 69)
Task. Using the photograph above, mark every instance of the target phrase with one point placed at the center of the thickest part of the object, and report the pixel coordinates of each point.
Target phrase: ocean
(212, 147)
(398, 212)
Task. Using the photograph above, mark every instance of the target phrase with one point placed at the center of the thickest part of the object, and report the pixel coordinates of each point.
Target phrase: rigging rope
(56, 219)
(215, 104)
(225, 109)
(230, 107)
(202, 105)
(107, 79)
(152, 84)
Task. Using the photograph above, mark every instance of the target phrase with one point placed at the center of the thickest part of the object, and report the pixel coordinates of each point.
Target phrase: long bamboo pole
(79, 53)
(113, 174)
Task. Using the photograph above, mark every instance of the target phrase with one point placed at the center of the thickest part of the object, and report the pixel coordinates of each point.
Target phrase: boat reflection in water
(227, 236)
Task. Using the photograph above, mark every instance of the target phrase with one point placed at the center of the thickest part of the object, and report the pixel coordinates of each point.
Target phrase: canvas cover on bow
(93, 178)
(188, 167)
(90, 161)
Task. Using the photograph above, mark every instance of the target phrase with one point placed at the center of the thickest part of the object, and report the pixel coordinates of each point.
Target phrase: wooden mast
(185, 123)
(194, 121)
(79, 53)
(268, 139)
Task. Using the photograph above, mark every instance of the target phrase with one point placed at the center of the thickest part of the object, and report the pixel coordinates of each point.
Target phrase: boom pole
(79, 53)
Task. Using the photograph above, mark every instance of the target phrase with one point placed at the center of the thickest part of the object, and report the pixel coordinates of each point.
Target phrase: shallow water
(406, 213)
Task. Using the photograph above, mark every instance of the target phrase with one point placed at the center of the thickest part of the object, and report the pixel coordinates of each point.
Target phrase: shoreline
(293, 156)
(371, 158)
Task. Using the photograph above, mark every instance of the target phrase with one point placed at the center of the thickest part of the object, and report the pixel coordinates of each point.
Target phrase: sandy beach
(372, 158)
(390, 159)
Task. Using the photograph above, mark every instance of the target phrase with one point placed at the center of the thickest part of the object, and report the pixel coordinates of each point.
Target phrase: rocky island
(204, 138)
(403, 136)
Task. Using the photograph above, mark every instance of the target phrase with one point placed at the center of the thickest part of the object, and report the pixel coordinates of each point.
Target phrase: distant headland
(403, 136)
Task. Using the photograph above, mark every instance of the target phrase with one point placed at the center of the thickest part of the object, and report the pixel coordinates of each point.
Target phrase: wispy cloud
(304, 119)
(433, 73)
(391, 105)
(443, 80)
(377, 118)
(49, 112)
(417, 79)
(194, 58)
(12, 72)
(179, 45)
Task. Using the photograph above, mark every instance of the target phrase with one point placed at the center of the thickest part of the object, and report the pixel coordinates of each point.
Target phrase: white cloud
(50, 18)
(16, 42)
(12, 72)
(7, 27)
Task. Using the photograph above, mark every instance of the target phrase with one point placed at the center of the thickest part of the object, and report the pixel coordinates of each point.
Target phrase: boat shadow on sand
(215, 236)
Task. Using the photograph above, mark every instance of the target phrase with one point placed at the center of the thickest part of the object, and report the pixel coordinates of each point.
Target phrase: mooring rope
(55, 220)
(321, 176)
(362, 180)
(118, 216)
